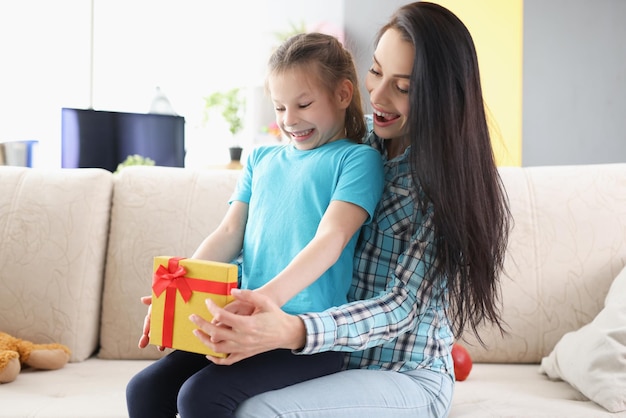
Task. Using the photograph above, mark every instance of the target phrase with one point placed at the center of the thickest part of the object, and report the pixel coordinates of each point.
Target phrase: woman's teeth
(385, 116)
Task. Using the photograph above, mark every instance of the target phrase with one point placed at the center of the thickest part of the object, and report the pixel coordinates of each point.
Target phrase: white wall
(44, 50)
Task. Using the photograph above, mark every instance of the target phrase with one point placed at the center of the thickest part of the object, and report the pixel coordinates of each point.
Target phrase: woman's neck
(395, 147)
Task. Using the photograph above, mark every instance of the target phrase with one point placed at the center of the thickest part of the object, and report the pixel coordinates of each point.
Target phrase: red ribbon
(173, 279)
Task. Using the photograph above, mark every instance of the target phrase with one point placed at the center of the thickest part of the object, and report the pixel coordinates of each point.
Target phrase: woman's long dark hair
(452, 161)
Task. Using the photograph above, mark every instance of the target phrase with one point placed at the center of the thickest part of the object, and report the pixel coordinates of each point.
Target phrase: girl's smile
(301, 136)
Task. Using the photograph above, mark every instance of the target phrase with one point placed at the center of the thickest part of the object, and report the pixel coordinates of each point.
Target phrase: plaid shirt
(392, 322)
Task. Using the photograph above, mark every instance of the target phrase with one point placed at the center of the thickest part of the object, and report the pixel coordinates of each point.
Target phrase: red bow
(172, 277)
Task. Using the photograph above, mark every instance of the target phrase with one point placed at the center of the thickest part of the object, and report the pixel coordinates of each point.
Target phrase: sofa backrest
(53, 228)
(156, 211)
(566, 247)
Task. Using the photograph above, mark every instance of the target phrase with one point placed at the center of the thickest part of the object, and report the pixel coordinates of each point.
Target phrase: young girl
(295, 213)
(426, 267)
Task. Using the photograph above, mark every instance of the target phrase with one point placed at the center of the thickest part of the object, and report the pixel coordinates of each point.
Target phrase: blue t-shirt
(288, 190)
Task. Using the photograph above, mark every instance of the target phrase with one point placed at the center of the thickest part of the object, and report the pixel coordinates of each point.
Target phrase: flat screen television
(103, 139)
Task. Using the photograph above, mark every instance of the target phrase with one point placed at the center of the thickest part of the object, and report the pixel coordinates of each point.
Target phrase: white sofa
(76, 254)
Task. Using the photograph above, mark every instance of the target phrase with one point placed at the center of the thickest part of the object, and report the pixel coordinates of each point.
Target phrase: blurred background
(554, 71)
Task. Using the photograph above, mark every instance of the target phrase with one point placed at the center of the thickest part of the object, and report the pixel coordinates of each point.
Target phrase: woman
(427, 266)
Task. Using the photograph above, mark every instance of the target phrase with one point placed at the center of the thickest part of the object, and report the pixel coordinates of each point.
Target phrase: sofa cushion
(156, 211)
(520, 391)
(54, 226)
(593, 358)
(91, 389)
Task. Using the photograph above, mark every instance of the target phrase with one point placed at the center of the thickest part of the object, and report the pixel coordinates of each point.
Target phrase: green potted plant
(231, 105)
(134, 159)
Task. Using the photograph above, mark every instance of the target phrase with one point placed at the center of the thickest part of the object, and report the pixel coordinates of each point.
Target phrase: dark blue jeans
(191, 385)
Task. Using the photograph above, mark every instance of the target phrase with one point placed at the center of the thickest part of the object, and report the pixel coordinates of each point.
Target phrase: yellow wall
(497, 29)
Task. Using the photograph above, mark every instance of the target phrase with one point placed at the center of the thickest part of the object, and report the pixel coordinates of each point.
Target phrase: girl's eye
(373, 71)
(279, 109)
(304, 106)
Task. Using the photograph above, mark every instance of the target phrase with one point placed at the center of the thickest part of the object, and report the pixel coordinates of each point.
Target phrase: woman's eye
(279, 109)
(304, 106)
(403, 91)
(373, 71)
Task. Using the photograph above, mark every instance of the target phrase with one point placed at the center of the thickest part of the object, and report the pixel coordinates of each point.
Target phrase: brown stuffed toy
(15, 352)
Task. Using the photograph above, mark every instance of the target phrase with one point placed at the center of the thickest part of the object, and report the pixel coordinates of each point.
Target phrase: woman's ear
(345, 90)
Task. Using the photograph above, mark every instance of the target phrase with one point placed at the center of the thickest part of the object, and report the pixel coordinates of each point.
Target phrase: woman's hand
(145, 337)
(241, 336)
(238, 307)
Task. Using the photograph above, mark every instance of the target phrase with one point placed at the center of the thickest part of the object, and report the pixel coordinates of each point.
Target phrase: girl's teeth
(302, 133)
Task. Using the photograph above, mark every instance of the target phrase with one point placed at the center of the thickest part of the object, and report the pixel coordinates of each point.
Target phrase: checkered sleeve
(388, 318)
(321, 330)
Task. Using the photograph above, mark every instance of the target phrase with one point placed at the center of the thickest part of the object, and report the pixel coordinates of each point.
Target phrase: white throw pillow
(593, 358)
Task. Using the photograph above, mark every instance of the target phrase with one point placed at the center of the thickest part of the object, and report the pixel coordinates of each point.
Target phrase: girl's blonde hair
(332, 63)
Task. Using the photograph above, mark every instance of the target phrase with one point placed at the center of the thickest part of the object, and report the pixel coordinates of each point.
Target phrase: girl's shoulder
(263, 150)
(351, 148)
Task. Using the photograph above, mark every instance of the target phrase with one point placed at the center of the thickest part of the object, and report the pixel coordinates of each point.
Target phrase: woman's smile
(384, 119)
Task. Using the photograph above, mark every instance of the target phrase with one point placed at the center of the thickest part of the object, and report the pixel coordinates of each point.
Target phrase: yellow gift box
(180, 287)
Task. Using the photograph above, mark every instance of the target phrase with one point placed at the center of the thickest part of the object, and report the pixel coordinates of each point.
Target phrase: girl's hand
(241, 336)
(144, 340)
